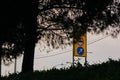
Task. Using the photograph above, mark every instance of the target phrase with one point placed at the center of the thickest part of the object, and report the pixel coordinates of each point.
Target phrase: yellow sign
(80, 47)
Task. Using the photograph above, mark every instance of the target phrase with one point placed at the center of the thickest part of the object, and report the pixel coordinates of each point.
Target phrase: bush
(109, 70)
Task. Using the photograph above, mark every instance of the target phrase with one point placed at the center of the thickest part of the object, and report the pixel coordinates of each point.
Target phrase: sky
(98, 52)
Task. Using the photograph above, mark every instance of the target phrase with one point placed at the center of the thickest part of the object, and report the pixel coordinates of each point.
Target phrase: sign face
(80, 50)
(80, 47)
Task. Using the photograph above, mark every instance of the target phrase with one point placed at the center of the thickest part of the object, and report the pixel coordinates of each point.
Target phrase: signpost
(80, 48)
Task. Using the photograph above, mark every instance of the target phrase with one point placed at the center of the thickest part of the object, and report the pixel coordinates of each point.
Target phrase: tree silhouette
(9, 30)
(94, 16)
(18, 30)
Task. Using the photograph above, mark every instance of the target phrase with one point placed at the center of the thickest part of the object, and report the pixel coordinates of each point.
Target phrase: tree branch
(45, 8)
(64, 37)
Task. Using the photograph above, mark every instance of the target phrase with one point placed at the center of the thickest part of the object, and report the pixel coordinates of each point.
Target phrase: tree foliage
(12, 34)
(81, 15)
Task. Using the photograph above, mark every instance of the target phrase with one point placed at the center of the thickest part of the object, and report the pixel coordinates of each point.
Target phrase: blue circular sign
(80, 50)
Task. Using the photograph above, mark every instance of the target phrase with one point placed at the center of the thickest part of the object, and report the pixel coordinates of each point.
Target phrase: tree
(10, 30)
(23, 37)
(12, 33)
(82, 15)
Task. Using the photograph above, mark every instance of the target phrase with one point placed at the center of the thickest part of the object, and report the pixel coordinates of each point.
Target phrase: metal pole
(86, 52)
(86, 61)
(15, 64)
(73, 54)
(73, 47)
(73, 60)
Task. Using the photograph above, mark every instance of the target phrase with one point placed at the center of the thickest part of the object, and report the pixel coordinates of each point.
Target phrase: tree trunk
(28, 58)
(30, 24)
(30, 40)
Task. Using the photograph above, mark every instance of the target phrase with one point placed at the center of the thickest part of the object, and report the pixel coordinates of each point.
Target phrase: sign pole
(85, 61)
(73, 62)
(86, 51)
(73, 48)
(73, 56)
(15, 65)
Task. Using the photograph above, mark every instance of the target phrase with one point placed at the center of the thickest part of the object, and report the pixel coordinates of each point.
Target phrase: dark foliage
(109, 70)
(75, 18)
(18, 29)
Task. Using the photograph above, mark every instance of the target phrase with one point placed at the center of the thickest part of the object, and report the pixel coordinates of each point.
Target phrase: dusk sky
(98, 52)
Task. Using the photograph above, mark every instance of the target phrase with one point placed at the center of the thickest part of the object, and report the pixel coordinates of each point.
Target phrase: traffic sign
(80, 47)
(80, 42)
(80, 50)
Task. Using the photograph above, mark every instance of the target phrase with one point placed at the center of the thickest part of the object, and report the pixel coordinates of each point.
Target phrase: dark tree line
(18, 28)
(25, 22)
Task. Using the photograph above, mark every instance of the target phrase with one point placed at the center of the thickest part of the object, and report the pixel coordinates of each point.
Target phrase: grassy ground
(109, 70)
